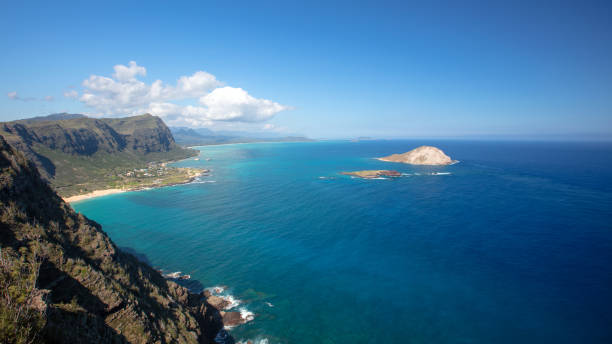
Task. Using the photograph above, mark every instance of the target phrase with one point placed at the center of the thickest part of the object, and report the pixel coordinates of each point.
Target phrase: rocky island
(424, 155)
(371, 174)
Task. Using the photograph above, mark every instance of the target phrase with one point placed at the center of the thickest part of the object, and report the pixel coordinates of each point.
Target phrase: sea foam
(220, 291)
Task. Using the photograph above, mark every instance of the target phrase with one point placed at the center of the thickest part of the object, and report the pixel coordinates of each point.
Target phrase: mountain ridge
(203, 136)
(75, 153)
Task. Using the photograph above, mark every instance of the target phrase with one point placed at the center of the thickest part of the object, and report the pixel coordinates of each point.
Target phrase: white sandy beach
(96, 193)
(105, 192)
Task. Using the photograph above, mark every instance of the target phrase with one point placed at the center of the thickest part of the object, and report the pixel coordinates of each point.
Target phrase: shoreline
(106, 192)
(93, 194)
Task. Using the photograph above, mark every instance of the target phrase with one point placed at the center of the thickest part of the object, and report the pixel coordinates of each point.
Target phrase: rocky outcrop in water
(371, 174)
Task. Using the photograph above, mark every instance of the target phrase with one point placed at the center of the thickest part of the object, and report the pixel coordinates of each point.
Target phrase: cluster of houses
(153, 170)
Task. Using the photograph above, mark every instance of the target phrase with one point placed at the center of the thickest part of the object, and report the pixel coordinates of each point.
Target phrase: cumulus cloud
(204, 99)
(49, 98)
(235, 104)
(195, 85)
(127, 73)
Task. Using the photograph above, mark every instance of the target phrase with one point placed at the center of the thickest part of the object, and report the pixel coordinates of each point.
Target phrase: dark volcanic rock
(217, 302)
(232, 319)
(76, 285)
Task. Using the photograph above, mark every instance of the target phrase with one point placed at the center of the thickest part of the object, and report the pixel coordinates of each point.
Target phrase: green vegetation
(77, 174)
(79, 155)
(62, 280)
(21, 304)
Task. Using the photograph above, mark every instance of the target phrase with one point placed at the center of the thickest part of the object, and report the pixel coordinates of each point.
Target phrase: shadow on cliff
(193, 285)
(140, 256)
(88, 279)
(74, 304)
(210, 315)
(46, 163)
(7, 237)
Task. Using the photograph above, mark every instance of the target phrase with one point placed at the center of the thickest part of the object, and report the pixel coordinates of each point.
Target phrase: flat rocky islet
(423, 155)
(371, 174)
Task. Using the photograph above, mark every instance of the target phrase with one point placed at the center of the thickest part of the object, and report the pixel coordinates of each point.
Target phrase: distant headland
(424, 155)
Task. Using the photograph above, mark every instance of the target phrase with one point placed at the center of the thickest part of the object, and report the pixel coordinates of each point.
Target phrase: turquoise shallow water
(513, 246)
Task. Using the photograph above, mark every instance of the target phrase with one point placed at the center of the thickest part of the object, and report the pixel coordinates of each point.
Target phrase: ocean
(513, 245)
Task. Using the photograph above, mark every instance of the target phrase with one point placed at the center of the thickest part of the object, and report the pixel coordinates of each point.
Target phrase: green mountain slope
(81, 154)
(62, 280)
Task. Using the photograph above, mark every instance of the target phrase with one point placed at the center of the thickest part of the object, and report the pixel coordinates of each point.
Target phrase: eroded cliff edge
(64, 281)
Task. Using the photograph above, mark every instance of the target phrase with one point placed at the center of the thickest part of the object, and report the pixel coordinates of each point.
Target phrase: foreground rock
(233, 319)
(371, 174)
(62, 280)
(218, 302)
(424, 155)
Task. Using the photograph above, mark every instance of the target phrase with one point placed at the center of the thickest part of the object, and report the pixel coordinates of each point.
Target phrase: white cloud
(127, 73)
(15, 96)
(49, 98)
(124, 94)
(268, 126)
(72, 94)
(235, 104)
(193, 86)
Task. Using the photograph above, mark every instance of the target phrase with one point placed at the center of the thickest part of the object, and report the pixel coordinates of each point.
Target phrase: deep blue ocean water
(514, 246)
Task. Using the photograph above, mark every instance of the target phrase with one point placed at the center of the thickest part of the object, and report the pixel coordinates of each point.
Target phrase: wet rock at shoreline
(232, 319)
(217, 302)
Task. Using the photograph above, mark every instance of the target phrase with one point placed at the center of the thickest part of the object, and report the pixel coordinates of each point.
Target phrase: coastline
(106, 192)
(93, 194)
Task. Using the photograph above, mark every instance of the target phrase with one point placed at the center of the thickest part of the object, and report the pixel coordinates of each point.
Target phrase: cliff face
(144, 134)
(73, 152)
(44, 141)
(62, 280)
(424, 155)
(79, 136)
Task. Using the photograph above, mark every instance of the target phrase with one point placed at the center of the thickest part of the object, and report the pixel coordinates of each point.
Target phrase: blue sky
(322, 69)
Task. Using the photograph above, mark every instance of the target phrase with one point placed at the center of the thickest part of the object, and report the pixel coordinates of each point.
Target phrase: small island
(424, 155)
(371, 174)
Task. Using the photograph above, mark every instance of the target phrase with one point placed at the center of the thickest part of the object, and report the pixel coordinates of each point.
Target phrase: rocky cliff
(144, 134)
(62, 280)
(424, 155)
(73, 151)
